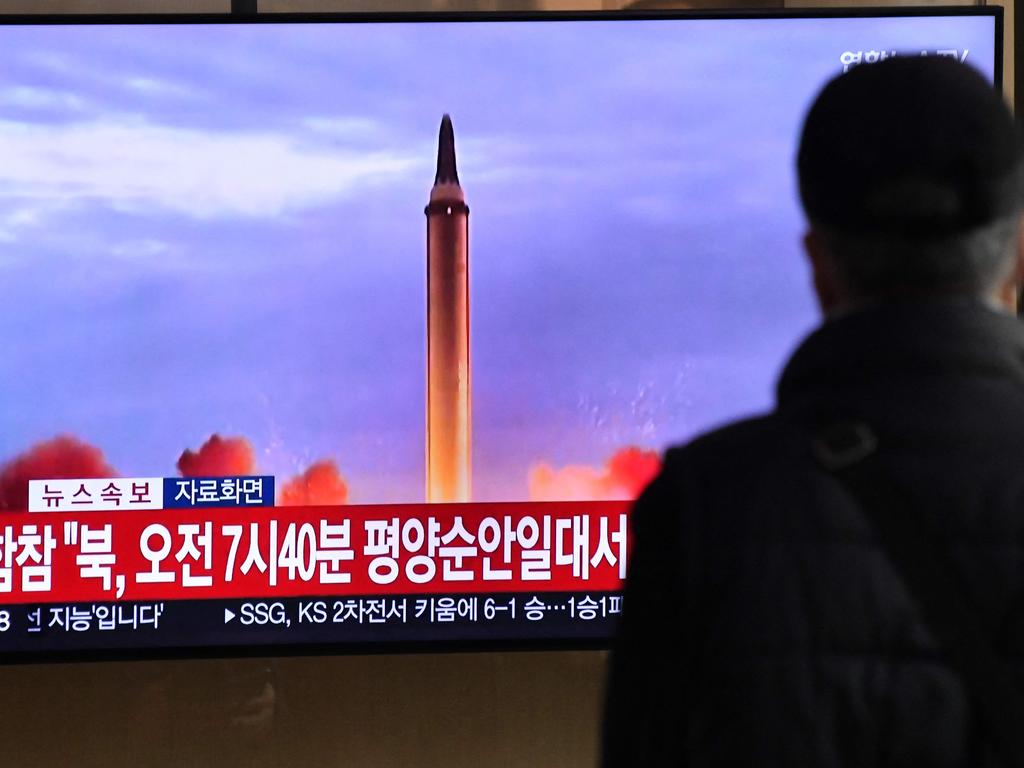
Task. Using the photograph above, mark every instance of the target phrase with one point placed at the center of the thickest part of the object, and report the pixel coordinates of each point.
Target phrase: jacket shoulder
(750, 478)
(754, 439)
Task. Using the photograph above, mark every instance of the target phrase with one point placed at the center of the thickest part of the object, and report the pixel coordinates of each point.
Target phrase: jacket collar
(906, 340)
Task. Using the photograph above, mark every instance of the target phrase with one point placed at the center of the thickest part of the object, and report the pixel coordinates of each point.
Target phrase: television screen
(344, 334)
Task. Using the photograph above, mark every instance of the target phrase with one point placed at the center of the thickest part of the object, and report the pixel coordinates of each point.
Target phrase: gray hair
(973, 262)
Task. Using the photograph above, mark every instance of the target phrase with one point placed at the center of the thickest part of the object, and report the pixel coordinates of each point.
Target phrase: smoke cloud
(219, 457)
(321, 484)
(61, 457)
(623, 476)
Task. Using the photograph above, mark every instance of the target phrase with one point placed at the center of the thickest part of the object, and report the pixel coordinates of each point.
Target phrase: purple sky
(221, 228)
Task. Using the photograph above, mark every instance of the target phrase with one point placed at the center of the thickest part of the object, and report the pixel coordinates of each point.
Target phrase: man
(764, 624)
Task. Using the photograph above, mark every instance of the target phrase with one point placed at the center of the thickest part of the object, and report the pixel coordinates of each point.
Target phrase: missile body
(449, 404)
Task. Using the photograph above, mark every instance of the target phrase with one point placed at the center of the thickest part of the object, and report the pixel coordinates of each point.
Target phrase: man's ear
(1008, 292)
(1018, 267)
(823, 270)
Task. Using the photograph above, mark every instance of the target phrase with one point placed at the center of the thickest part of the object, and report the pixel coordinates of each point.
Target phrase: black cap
(914, 146)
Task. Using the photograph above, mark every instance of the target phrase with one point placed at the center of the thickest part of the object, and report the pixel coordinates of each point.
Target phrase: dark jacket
(763, 625)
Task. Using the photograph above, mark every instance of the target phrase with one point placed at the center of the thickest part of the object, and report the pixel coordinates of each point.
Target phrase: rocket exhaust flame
(61, 457)
(623, 476)
(320, 485)
(219, 457)
(67, 457)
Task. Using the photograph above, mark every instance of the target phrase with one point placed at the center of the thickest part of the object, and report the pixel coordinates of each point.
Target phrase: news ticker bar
(276, 552)
(314, 620)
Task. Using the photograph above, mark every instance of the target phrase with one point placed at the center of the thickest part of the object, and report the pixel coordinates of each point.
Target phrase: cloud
(157, 87)
(18, 218)
(30, 97)
(137, 166)
(342, 127)
(146, 248)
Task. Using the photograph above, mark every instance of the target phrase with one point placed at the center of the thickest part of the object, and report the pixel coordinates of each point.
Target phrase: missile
(449, 401)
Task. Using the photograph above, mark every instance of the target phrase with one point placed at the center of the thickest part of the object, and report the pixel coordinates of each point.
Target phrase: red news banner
(195, 554)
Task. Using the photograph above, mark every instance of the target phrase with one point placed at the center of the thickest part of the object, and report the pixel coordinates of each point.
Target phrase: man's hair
(911, 172)
(973, 262)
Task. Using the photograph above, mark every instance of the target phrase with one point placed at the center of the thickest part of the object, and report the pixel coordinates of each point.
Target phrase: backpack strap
(848, 452)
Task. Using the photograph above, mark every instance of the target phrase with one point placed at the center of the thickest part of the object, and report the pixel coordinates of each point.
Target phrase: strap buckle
(842, 445)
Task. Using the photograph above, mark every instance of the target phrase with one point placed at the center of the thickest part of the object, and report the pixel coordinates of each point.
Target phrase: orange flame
(623, 476)
(321, 484)
(219, 457)
(61, 457)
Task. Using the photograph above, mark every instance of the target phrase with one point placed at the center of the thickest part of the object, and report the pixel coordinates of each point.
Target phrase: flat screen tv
(338, 333)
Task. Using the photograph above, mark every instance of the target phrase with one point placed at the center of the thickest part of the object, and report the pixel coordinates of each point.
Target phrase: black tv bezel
(285, 650)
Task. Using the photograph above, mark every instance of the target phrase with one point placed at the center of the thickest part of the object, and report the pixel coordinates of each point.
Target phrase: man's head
(911, 175)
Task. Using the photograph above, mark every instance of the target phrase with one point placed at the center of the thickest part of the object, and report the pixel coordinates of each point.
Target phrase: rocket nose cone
(446, 170)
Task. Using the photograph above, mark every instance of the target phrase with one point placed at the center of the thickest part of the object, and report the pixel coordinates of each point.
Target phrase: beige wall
(532, 710)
